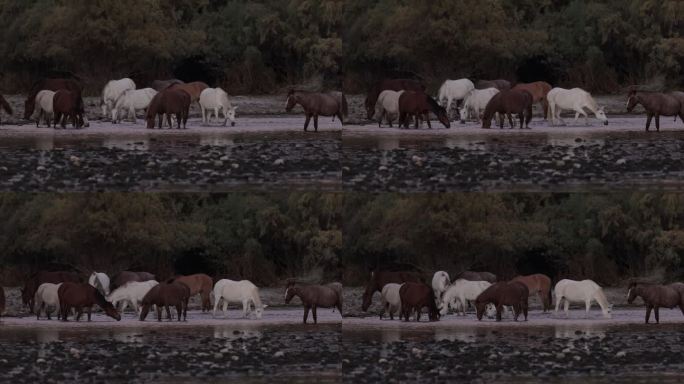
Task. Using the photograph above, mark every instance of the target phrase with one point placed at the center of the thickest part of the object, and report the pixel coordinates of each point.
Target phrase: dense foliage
(256, 46)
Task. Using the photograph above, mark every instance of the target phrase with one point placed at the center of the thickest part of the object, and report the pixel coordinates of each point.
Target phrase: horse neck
(600, 298)
(255, 298)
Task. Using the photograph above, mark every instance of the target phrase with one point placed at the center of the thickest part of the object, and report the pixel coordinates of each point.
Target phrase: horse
(476, 101)
(193, 89)
(133, 101)
(440, 283)
(317, 104)
(419, 105)
(656, 296)
(31, 285)
(238, 292)
(65, 107)
(389, 85)
(160, 85)
(538, 90)
(131, 293)
(415, 297)
(44, 107)
(199, 284)
(52, 85)
(166, 295)
(391, 301)
(122, 278)
(577, 100)
(500, 84)
(387, 107)
(216, 100)
(586, 291)
(460, 292)
(508, 103)
(477, 276)
(378, 279)
(538, 284)
(80, 296)
(169, 102)
(8, 109)
(47, 295)
(454, 90)
(112, 92)
(656, 104)
(314, 296)
(514, 294)
(100, 281)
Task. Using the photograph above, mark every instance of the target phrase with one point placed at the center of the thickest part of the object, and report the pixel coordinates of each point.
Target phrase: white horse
(391, 301)
(216, 100)
(100, 281)
(238, 292)
(581, 291)
(46, 297)
(387, 106)
(44, 107)
(454, 90)
(131, 293)
(133, 100)
(112, 91)
(460, 292)
(575, 99)
(476, 102)
(440, 283)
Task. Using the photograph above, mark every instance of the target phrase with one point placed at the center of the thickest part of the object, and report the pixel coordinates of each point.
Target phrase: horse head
(291, 100)
(231, 115)
(601, 115)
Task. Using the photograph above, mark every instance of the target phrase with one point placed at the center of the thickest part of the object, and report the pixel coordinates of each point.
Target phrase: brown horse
(514, 294)
(6, 106)
(538, 90)
(656, 296)
(169, 102)
(389, 85)
(500, 84)
(419, 105)
(2, 301)
(199, 284)
(415, 297)
(509, 103)
(167, 295)
(314, 296)
(656, 104)
(160, 85)
(80, 296)
(122, 278)
(193, 89)
(317, 104)
(379, 279)
(476, 276)
(31, 286)
(65, 107)
(53, 85)
(538, 284)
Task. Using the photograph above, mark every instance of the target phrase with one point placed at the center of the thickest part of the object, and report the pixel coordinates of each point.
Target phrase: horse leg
(179, 311)
(427, 118)
(587, 303)
(449, 101)
(567, 308)
(521, 116)
(657, 317)
(648, 312)
(316, 128)
(168, 312)
(510, 120)
(657, 119)
(306, 313)
(225, 308)
(90, 311)
(315, 316)
(159, 313)
(499, 310)
(306, 123)
(649, 117)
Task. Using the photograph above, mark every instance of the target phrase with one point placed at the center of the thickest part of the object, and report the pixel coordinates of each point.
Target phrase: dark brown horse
(169, 102)
(538, 90)
(500, 84)
(53, 85)
(167, 295)
(415, 297)
(379, 279)
(66, 108)
(318, 104)
(514, 294)
(2, 301)
(389, 85)
(476, 276)
(656, 296)
(419, 105)
(124, 277)
(540, 285)
(80, 296)
(193, 89)
(656, 104)
(5, 106)
(508, 103)
(314, 296)
(160, 85)
(31, 285)
(199, 284)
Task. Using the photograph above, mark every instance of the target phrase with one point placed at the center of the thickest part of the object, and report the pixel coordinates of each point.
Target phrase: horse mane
(601, 298)
(434, 106)
(99, 298)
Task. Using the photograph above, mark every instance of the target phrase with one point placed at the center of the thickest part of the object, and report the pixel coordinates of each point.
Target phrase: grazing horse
(477, 276)
(31, 285)
(460, 292)
(419, 105)
(80, 296)
(53, 85)
(133, 101)
(514, 294)
(391, 300)
(415, 297)
(47, 296)
(500, 84)
(508, 103)
(656, 296)
(538, 90)
(389, 85)
(124, 277)
(160, 85)
(112, 92)
(387, 107)
(577, 100)
(476, 101)
(199, 284)
(314, 296)
(165, 295)
(65, 108)
(100, 281)
(169, 102)
(5, 106)
(44, 108)
(131, 293)
(581, 291)
(317, 104)
(656, 104)
(454, 90)
(244, 292)
(193, 89)
(540, 285)
(216, 100)
(378, 279)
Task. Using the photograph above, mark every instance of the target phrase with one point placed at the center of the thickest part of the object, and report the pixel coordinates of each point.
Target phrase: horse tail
(5, 105)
